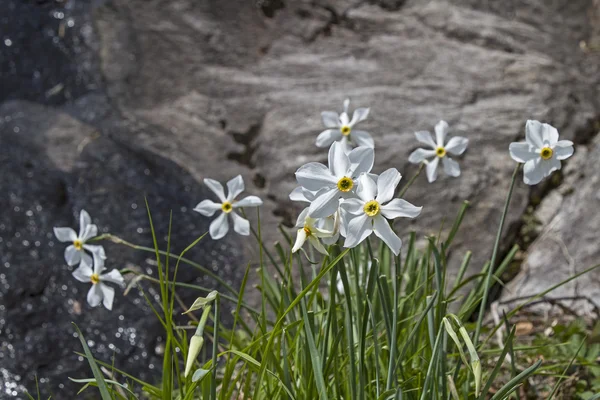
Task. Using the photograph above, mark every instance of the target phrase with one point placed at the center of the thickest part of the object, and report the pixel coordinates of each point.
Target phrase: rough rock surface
(188, 89)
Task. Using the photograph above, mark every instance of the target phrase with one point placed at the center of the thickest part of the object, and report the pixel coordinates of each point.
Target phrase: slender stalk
(410, 182)
(490, 271)
(215, 349)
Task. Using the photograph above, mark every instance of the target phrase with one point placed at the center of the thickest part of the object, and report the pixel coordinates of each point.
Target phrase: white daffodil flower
(455, 146)
(76, 251)
(336, 181)
(374, 204)
(541, 152)
(99, 292)
(220, 226)
(341, 128)
(310, 230)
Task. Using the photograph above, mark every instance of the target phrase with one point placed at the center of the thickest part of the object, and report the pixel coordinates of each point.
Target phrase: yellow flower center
(345, 184)
(345, 130)
(307, 231)
(546, 153)
(371, 208)
(95, 278)
(226, 207)
(78, 244)
(440, 152)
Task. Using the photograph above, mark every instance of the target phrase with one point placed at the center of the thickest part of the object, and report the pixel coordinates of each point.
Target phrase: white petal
(249, 201)
(314, 176)
(533, 173)
(533, 134)
(317, 245)
(216, 188)
(298, 194)
(361, 160)
(300, 239)
(235, 187)
(346, 105)
(90, 231)
(344, 120)
(240, 225)
(98, 262)
(382, 229)
(207, 208)
(328, 136)
(72, 255)
(549, 135)
(108, 295)
(431, 169)
(338, 160)
(457, 145)
(330, 119)
(302, 218)
(345, 144)
(85, 258)
(94, 296)
(400, 208)
(325, 205)
(441, 130)
(549, 166)
(360, 114)
(83, 273)
(84, 221)
(386, 185)
(219, 227)
(353, 206)
(563, 149)
(328, 241)
(95, 249)
(425, 138)
(420, 155)
(362, 138)
(357, 230)
(367, 188)
(65, 234)
(451, 167)
(113, 276)
(522, 152)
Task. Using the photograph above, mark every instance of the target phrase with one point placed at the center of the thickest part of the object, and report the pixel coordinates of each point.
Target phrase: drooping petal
(216, 188)
(386, 185)
(317, 245)
(72, 255)
(361, 160)
(457, 145)
(338, 160)
(83, 273)
(353, 206)
(425, 138)
(113, 276)
(108, 295)
(302, 218)
(328, 136)
(234, 187)
(382, 229)
(431, 169)
(533, 173)
(533, 134)
(219, 227)
(98, 262)
(90, 231)
(400, 208)
(330, 119)
(549, 135)
(451, 167)
(522, 152)
(84, 221)
(357, 230)
(314, 176)
(325, 205)
(362, 138)
(94, 296)
(249, 201)
(563, 149)
(420, 155)
(367, 188)
(240, 225)
(360, 114)
(441, 130)
(207, 208)
(65, 234)
(300, 239)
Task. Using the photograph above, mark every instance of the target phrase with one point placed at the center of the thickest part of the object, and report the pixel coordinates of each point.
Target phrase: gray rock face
(151, 97)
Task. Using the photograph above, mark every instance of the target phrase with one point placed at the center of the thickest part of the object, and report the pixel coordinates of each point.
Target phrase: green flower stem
(410, 182)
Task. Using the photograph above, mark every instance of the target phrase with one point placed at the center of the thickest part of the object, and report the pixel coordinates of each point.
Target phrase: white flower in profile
(439, 151)
(336, 181)
(99, 292)
(220, 226)
(541, 152)
(311, 229)
(76, 251)
(374, 206)
(340, 128)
